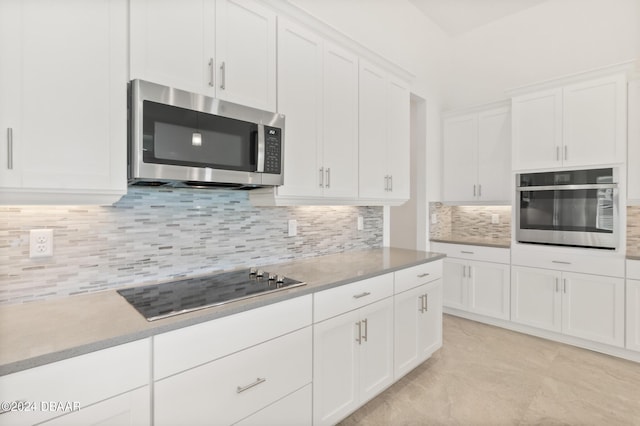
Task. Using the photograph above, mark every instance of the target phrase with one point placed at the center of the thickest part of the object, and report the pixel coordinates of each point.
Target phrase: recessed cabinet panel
(489, 289)
(460, 167)
(536, 298)
(633, 154)
(398, 140)
(455, 294)
(494, 155)
(633, 315)
(537, 130)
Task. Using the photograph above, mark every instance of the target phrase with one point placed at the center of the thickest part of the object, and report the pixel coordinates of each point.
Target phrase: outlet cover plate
(40, 243)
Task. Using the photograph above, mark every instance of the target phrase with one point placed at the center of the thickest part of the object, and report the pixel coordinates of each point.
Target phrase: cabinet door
(408, 316)
(633, 115)
(537, 130)
(376, 350)
(494, 155)
(246, 53)
(10, 77)
(489, 285)
(335, 368)
(455, 292)
(594, 121)
(372, 132)
(535, 298)
(300, 99)
(593, 307)
(633, 315)
(129, 409)
(430, 328)
(172, 43)
(398, 140)
(73, 81)
(340, 122)
(460, 162)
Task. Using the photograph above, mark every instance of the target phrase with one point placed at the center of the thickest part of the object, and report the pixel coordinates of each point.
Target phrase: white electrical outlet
(293, 227)
(360, 223)
(434, 218)
(40, 243)
(495, 219)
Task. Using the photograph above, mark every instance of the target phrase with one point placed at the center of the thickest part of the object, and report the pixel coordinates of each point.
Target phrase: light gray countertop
(38, 333)
(475, 241)
(633, 256)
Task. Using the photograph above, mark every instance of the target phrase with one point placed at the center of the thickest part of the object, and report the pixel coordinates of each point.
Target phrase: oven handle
(567, 187)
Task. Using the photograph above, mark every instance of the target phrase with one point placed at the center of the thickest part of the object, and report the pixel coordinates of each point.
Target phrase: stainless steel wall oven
(570, 208)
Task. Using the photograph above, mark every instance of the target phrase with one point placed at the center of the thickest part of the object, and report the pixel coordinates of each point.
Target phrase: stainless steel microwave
(179, 138)
(570, 208)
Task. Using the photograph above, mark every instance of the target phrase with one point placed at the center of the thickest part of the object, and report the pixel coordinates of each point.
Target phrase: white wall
(553, 39)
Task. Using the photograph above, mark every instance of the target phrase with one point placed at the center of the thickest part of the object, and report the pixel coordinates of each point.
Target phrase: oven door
(574, 215)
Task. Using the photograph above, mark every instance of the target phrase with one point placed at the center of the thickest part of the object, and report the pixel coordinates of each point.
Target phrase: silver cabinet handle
(211, 72)
(423, 275)
(328, 177)
(469, 271)
(561, 262)
(386, 183)
(258, 381)
(223, 76)
(474, 190)
(391, 183)
(564, 285)
(358, 296)
(426, 303)
(479, 190)
(321, 177)
(10, 148)
(557, 285)
(366, 330)
(359, 338)
(464, 271)
(421, 310)
(557, 153)
(566, 153)
(466, 252)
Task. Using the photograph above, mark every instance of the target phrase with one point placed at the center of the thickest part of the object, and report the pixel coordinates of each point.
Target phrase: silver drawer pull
(358, 296)
(562, 263)
(258, 381)
(10, 148)
(466, 252)
(423, 275)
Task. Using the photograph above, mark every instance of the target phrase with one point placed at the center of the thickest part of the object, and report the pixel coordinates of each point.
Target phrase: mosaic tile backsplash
(633, 230)
(156, 234)
(470, 221)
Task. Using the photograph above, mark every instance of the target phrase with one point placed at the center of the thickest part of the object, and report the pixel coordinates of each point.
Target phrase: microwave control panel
(272, 150)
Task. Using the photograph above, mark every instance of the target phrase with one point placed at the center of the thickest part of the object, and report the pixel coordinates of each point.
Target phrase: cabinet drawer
(569, 260)
(329, 303)
(292, 410)
(417, 275)
(633, 269)
(189, 347)
(84, 379)
(481, 253)
(234, 387)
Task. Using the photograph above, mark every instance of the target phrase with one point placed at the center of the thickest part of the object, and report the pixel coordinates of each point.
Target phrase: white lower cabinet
(418, 326)
(586, 306)
(353, 360)
(633, 305)
(109, 385)
(227, 390)
(129, 409)
(292, 410)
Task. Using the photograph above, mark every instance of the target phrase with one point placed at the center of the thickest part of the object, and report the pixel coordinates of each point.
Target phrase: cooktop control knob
(272, 277)
(252, 271)
(280, 279)
(260, 273)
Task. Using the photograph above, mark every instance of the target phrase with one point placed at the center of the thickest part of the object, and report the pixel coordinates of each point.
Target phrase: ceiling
(456, 17)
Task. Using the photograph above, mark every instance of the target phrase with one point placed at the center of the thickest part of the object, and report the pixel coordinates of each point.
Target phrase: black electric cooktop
(164, 300)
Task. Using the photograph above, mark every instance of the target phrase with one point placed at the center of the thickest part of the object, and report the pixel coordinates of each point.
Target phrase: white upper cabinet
(172, 43)
(246, 53)
(63, 81)
(384, 136)
(633, 166)
(300, 100)
(581, 124)
(477, 160)
(219, 48)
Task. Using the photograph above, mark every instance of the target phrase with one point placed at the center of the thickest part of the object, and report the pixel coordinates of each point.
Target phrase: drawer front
(633, 269)
(417, 275)
(292, 410)
(189, 347)
(118, 369)
(480, 253)
(597, 263)
(234, 387)
(336, 301)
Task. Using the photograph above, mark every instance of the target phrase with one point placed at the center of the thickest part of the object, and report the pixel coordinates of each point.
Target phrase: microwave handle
(261, 149)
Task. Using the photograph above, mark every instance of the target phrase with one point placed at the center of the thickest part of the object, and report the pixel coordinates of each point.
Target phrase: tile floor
(486, 375)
